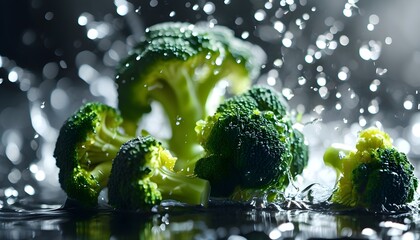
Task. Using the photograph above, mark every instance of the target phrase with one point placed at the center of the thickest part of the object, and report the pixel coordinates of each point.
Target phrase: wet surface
(343, 65)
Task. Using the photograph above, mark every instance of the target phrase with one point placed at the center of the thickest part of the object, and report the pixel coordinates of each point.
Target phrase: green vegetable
(251, 147)
(142, 176)
(375, 175)
(87, 143)
(179, 66)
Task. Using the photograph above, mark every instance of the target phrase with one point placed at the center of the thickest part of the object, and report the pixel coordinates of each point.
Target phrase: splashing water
(341, 63)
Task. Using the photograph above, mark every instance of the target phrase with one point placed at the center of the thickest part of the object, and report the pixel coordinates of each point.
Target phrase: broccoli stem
(183, 110)
(101, 173)
(190, 190)
(99, 152)
(333, 156)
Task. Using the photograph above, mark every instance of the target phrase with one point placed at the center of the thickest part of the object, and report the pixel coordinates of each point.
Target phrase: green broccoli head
(142, 176)
(86, 145)
(179, 66)
(250, 146)
(375, 175)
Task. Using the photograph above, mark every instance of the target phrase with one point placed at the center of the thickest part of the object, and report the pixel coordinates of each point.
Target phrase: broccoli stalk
(87, 143)
(251, 148)
(374, 176)
(142, 176)
(179, 66)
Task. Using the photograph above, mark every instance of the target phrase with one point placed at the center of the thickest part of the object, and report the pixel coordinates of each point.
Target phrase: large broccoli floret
(251, 147)
(142, 176)
(179, 66)
(88, 142)
(374, 176)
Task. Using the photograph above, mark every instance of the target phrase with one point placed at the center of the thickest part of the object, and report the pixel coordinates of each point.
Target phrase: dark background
(42, 42)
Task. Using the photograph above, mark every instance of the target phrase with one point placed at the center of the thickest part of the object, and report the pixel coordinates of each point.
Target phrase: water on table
(344, 65)
(221, 220)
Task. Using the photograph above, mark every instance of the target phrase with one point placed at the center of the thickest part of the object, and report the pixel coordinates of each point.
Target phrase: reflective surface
(343, 64)
(221, 220)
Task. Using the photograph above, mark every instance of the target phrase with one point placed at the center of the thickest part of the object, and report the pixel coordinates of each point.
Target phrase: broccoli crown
(179, 66)
(86, 145)
(250, 145)
(142, 176)
(375, 175)
(387, 180)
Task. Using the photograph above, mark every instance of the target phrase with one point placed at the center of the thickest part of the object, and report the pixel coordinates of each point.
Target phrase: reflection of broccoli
(88, 142)
(375, 175)
(179, 65)
(251, 147)
(142, 175)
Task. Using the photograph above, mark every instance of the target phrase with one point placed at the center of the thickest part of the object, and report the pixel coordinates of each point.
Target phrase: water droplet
(49, 16)
(338, 106)
(408, 104)
(153, 3)
(178, 120)
(371, 50)
(268, 5)
(344, 73)
(40, 176)
(29, 190)
(172, 14)
(369, 232)
(279, 26)
(381, 71)
(309, 59)
(260, 15)
(321, 80)
(209, 8)
(123, 9)
(301, 80)
(13, 76)
(84, 19)
(323, 92)
(278, 62)
(373, 107)
(287, 93)
(350, 9)
(245, 35)
(42, 105)
(321, 42)
(287, 40)
(319, 109)
(374, 85)
(271, 81)
(373, 19)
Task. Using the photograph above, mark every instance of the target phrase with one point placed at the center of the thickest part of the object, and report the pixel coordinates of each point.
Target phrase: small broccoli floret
(142, 176)
(179, 66)
(374, 176)
(250, 146)
(87, 143)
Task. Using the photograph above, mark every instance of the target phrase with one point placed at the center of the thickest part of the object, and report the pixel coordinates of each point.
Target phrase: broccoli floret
(251, 147)
(142, 176)
(87, 143)
(374, 176)
(179, 66)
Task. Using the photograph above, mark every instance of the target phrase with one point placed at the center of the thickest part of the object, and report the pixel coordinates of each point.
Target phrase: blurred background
(344, 64)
